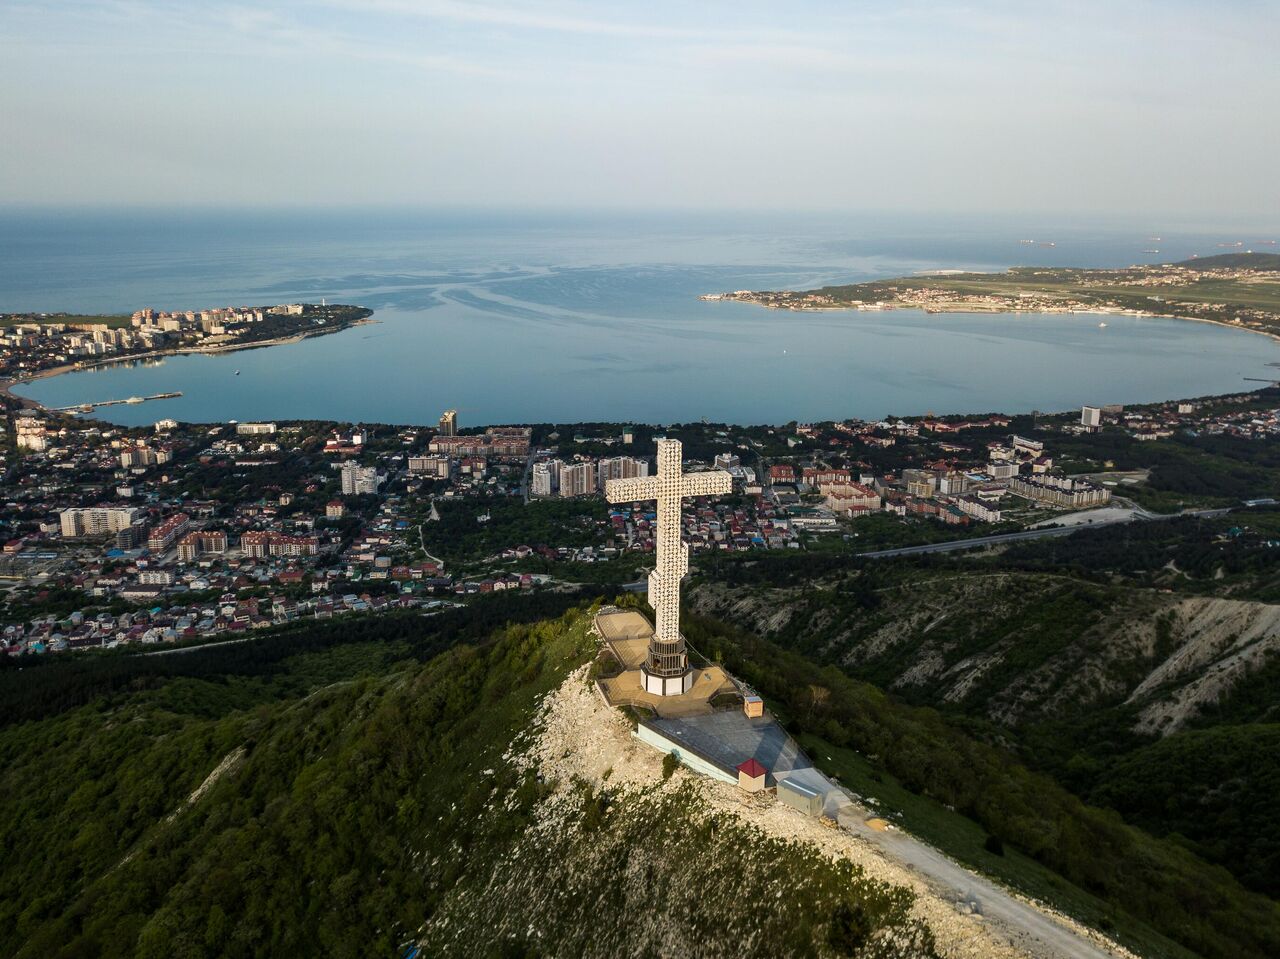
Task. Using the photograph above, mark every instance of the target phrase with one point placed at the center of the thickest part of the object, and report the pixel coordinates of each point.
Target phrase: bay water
(534, 317)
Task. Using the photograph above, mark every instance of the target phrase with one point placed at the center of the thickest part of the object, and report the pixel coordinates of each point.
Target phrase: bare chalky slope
(579, 739)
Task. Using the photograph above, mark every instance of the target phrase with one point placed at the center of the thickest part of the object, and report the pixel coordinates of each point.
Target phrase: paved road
(1038, 533)
(528, 476)
(198, 647)
(1036, 932)
(974, 543)
(422, 542)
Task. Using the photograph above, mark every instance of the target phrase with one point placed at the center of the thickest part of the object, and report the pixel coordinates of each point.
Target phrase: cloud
(989, 105)
(528, 17)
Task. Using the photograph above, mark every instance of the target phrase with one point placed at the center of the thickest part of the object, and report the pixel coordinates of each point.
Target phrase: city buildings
(30, 432)
(816, 476)
(851, 499)
(977, 508)
(545, 480)
(449, 423)
(1060, 491)
(577, 479)
(620, 467)
(359, 480)
(1026, 448)
(349, 443)
(164, 533)
(782, 473)
(96, 521)
(512, 441)
(259, 544)
(554, 477)
(434, 467)
(952, 483)
(144, 455)
(271, 530)
(201, 542)
(921, 483)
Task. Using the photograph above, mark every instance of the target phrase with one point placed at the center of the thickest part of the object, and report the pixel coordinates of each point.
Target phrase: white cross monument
(666, 671)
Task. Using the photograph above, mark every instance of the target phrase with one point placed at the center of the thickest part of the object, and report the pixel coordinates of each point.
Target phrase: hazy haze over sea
(535, 317)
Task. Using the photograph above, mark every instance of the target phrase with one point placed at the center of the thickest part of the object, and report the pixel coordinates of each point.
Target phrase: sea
(538, 317)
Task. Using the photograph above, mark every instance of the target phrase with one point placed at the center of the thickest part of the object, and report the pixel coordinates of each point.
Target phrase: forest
(352, 795)
(1145, 883)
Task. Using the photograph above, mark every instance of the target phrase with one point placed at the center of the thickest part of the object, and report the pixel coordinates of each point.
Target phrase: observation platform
(626, 633)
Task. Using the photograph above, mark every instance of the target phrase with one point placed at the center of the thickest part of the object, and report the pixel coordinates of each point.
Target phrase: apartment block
(435, 467)
(620, 467)
(577, 479)
(163, 534)
(96, 521)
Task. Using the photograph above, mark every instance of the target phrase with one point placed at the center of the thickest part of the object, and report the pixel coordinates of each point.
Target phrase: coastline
(7, 385)
(973, 308)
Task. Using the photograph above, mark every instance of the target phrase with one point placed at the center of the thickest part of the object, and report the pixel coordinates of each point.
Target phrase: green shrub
(670, 763)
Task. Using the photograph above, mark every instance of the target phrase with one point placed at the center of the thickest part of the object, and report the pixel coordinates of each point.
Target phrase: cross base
(666, 685)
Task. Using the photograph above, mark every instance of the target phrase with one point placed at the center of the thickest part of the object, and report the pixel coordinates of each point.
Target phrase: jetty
(131, 401)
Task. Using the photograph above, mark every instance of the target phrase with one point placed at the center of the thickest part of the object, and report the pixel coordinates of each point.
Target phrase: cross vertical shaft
(667, 657)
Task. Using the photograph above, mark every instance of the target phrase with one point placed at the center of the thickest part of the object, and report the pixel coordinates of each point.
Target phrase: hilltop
(355, 797)
(354, 789)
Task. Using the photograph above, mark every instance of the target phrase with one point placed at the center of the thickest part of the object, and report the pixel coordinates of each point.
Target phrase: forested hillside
(1111, 660)
(348, 789)
(359, 795)
(942, 774)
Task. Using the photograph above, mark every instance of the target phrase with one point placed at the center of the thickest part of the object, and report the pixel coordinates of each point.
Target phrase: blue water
(536, 318)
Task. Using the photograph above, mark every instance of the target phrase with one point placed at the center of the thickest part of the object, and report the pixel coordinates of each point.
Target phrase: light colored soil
(577, 736)
(1225, 641)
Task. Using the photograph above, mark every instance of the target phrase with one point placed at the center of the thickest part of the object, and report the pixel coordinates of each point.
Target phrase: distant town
(34, 344)
(186, 532)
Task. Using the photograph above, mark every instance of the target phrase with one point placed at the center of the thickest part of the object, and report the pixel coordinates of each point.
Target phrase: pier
(131, 401)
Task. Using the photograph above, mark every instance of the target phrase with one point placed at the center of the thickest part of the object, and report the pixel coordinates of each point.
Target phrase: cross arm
(714, 483)
(631, 490)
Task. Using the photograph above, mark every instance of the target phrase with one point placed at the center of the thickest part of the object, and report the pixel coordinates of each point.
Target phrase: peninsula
(1234, 289)
(45, 344)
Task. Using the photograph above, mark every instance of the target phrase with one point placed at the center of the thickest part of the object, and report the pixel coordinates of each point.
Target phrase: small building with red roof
(751, 775)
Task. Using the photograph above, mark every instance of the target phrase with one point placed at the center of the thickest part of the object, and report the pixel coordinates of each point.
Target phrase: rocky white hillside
(1021, 647)
(630, 862)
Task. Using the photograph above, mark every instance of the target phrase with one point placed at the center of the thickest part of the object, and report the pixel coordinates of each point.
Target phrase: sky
(1097, 108)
